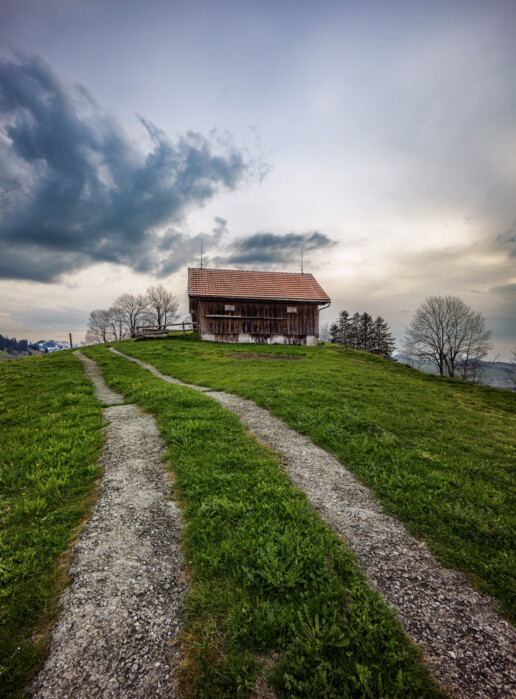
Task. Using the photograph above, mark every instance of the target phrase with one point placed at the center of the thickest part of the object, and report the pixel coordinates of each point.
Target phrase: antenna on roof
(302, 257)
(201, 253)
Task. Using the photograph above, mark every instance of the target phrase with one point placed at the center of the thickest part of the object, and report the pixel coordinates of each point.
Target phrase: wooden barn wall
(258, 319)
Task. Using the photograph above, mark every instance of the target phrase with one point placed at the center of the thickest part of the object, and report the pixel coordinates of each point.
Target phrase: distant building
(262, 307)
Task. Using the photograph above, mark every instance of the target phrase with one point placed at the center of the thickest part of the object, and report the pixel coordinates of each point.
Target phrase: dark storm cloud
(74, 190)
(274, 249)
(176, 249)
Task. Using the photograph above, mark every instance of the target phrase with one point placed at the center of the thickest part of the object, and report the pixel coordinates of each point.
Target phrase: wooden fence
(158, 331)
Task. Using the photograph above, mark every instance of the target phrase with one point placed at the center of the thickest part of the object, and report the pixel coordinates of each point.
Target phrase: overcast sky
(382, 135)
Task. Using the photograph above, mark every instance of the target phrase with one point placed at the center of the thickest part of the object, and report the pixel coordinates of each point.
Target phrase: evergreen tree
(354, 331)
(382, 339)
(344, 327)
(340, 331)
(360, 332)
(365, 332)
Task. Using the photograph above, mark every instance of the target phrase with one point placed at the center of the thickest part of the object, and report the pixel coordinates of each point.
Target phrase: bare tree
(99, 329)
(116, 324)
(162, 305)
(449, 334)
(129, 311)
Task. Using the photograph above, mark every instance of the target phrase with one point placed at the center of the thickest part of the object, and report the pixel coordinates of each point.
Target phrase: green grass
(5, 355)
(266, 577)
(439, 453)
(265, 574)
(49, 444)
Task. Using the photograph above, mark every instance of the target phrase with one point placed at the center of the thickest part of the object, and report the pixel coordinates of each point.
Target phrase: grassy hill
(5, 355)
(439, 453)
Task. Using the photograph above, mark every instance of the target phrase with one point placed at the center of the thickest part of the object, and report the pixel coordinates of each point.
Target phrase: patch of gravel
(122, 611)
(102, 392)
(468, 647)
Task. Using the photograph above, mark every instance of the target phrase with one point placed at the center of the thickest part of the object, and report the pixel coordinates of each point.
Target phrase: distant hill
(10, 348)
(495, 374)
(47, 346)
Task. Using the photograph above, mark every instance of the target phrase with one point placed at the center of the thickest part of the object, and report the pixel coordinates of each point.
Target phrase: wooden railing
(162, 330)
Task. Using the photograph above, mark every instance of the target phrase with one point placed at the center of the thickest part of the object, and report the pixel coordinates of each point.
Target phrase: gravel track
(123, 608)
(468, 647)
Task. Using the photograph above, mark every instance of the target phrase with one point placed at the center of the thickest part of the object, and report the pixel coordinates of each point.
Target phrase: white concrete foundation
(244, 338)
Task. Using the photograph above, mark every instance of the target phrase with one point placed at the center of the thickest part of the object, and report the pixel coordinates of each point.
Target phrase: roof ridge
(256, 271)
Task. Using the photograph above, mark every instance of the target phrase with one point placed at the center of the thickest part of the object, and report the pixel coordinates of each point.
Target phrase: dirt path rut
(469, 648)
(123, 608)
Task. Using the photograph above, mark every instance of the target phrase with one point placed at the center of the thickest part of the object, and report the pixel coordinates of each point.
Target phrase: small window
(227, 307)
(291, 309)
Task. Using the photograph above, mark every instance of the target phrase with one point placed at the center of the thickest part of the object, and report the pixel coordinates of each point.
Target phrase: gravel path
(123, 608)
(468, 647)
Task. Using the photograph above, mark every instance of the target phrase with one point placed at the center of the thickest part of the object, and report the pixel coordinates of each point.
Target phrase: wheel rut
(122, 611)
(468, 647)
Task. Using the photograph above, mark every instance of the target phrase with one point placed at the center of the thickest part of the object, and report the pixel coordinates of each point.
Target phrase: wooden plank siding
(259, 319)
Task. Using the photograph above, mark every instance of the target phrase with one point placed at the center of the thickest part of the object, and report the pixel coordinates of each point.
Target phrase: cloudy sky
(380, 135)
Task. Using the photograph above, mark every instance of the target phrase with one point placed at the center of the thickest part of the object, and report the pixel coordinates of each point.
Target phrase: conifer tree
(360, 332)
(340, 331)
(343, 329)
(366, 332)
(383, 341)
(355, 329)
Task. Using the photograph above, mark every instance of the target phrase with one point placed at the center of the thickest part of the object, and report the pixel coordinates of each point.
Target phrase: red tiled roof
(242, 284)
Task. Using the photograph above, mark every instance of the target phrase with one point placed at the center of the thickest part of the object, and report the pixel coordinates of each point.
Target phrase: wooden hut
(263, 307)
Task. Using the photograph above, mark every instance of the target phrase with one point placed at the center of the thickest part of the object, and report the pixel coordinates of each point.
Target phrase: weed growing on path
(266, 575)
(50, 441)
(439, 453)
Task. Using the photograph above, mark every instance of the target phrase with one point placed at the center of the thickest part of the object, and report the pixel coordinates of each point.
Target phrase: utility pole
(70, 334)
